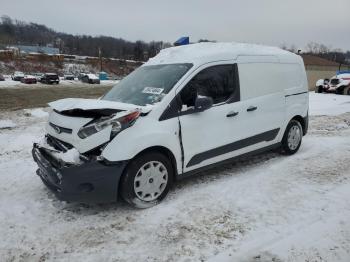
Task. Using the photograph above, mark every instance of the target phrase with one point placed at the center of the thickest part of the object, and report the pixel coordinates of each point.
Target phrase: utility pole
(99, 55)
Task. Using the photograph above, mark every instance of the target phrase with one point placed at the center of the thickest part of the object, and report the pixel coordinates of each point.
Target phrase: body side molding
(227, 161)
(266, 136)
(297, 94)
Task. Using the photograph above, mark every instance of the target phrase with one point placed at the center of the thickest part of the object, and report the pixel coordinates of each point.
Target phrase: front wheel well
(340, 89)
(163, 150)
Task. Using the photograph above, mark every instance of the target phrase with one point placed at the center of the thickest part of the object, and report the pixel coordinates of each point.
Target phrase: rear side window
(218, 82)
(260, 79)
(52, 76)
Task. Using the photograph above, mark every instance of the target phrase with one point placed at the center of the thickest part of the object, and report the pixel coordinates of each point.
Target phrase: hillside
(19, 32)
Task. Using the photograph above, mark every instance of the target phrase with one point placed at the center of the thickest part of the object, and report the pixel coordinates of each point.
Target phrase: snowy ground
(266, 208)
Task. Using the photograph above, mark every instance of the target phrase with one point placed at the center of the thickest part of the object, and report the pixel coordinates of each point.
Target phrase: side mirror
(203, 103)
(326, 81)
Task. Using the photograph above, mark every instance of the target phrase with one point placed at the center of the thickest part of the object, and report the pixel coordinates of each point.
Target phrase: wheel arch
(303, 122)
(163, 150)
(346, 90)
(340, 89)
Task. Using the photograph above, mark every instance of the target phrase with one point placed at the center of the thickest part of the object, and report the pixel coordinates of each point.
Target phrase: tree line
(13, 32)
(322, 50)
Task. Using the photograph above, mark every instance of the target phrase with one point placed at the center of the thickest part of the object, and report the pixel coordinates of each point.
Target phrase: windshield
(334, 81)
(147, 84)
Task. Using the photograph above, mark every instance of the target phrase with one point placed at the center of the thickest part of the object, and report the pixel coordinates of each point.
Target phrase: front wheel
(147, 180)
(319, 89)
(292, 138)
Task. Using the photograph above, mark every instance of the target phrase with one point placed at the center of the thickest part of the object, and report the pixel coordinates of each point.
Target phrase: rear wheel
(339, 91)
(346, 91)
(147, 180)
(292, 138)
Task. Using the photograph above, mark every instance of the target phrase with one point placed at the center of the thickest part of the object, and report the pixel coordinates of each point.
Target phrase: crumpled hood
(94, 104)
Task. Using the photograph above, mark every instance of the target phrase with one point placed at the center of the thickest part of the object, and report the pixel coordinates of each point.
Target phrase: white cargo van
(187, 109)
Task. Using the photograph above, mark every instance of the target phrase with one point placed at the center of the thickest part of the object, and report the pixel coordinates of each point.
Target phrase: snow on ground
(266, 208)
(4, 124)
(328, 104)
(37, 112)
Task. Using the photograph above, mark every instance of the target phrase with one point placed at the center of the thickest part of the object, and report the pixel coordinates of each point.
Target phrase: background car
(339, 84)
(90, 78)
(81, 75)
(29, 79)
(38, 76)
(2, 78)
(17, 76)
(68, 77)
(50, 78)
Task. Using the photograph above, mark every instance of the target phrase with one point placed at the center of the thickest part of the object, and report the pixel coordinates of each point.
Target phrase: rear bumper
(88, 182)
(50, 81)
(29, 81)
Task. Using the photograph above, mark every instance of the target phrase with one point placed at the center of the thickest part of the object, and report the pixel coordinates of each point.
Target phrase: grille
(58, 144)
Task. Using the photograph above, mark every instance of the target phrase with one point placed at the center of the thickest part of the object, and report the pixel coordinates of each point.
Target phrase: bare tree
(283, 46)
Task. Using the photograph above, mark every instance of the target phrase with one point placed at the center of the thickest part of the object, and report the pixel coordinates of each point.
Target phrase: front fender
(143, 135)
(319, 82)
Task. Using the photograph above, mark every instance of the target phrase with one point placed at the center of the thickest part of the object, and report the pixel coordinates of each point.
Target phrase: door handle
(251, 108)
(231, 114)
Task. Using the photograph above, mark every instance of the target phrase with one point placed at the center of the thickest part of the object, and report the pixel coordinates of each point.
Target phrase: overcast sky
(270, 22)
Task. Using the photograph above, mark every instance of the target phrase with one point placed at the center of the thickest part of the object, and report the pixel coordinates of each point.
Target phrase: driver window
(217, 82)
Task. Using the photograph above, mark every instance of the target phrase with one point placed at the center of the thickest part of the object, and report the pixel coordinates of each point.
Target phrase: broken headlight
(118, 124)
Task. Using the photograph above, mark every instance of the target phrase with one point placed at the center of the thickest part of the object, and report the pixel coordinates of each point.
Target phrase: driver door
(204, 134)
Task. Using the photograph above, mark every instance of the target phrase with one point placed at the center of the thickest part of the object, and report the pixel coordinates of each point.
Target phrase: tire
(346, 91)
(339, 91)
(319, 89)
(139, 188)
(291, 145)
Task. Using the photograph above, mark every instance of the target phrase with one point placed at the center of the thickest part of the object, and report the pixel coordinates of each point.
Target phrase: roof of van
(206, 52)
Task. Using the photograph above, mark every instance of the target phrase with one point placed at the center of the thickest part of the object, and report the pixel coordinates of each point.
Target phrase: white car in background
(188, 109)
(38, 76)
(90, 79)
(17, 76)
(339, 84)
(70, 77)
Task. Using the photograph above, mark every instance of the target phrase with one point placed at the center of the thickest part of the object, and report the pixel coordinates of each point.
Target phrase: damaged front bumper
(89, 181)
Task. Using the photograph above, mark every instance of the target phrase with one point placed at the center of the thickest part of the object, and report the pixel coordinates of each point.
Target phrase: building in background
(36, 49)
